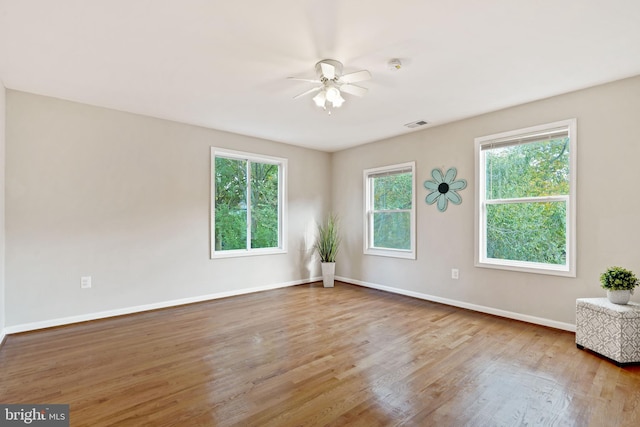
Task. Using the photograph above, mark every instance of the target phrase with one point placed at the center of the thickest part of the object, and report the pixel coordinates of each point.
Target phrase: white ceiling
(224, 64)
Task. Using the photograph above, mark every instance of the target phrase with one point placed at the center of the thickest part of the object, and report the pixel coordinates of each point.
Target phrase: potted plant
(619, 283)
(327, 246)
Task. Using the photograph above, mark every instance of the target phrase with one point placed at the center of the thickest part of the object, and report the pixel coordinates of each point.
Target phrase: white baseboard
(462, 304)
(165, 304)
(3, 334)
(26, 327)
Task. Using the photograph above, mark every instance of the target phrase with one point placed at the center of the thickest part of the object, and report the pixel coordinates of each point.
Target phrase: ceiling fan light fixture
(337, 102)
(333, 94)
(320, 98)
(332, 83)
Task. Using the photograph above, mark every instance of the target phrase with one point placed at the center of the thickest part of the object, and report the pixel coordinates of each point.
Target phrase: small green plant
(618, 279)
(328, 239)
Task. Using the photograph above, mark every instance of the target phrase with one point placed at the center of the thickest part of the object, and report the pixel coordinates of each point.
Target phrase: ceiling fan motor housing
(337, 65)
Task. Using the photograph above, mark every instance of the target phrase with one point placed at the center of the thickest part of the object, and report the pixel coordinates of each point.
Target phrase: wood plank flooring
(310, 356)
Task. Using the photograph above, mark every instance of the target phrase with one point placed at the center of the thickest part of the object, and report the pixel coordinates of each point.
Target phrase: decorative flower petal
(430, 185)
(432, 197)
(442, 204)
(461, 184)
(451, 175)
(437, 175)
(454, 197)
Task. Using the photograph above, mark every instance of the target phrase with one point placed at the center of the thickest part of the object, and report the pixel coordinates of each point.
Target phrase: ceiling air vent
(416, 124)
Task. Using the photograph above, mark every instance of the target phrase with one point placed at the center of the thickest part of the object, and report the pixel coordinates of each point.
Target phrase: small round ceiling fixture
(394, 64)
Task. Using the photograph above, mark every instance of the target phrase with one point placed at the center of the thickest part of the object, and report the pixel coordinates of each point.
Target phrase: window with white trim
(526, 199)
(390, 228)
(247, 204)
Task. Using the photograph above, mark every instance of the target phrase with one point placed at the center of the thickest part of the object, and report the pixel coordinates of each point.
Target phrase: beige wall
(608, 212)
(2, 231)
(125, 199)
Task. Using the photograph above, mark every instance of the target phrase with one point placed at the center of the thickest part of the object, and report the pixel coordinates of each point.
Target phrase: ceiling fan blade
(354, 90)
(328, 70)
(315, 89)
(304, 80)
(358, 76)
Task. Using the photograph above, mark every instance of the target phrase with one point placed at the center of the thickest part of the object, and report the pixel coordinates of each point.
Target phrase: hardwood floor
(310, 356)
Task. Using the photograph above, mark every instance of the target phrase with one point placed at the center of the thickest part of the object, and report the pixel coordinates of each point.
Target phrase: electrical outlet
(85, 282)
(455, 274)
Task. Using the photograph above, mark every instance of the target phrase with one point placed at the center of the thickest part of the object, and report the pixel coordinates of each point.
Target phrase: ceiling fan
(332, 83)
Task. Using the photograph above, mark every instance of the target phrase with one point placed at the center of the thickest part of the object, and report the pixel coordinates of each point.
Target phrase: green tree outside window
(247, 205)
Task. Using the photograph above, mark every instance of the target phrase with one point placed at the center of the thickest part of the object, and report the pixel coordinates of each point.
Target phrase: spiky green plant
(328, 239)
(618, 279)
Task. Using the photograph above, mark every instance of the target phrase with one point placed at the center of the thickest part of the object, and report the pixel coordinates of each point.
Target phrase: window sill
(391, 253)
(527, 267)
(246, 253)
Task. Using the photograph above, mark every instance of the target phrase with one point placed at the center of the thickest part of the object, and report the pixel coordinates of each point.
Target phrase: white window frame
(481, 259)
(282, 204)
(369, 249)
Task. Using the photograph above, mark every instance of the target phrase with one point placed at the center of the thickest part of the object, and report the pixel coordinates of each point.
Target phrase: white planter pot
(328, 273)
(619, 297)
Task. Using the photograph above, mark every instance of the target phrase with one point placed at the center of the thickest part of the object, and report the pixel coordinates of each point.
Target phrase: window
(390, 211)
(526, 204)
(247, 204)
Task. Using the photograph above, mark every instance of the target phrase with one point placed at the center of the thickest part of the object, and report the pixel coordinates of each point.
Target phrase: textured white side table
(612, 330)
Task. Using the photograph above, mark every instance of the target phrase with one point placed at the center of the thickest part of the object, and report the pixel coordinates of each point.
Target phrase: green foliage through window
(246, 204)
(392, 230)
(532, 232)
(529, 231)
(528, 170)
(390, 202)
(526, 197)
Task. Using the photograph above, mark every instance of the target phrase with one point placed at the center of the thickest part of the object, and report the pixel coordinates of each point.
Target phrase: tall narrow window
(247, 204)
(526, 199)
(390, 211)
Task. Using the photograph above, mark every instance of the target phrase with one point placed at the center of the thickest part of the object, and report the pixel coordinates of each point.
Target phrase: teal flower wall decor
(444, 189)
